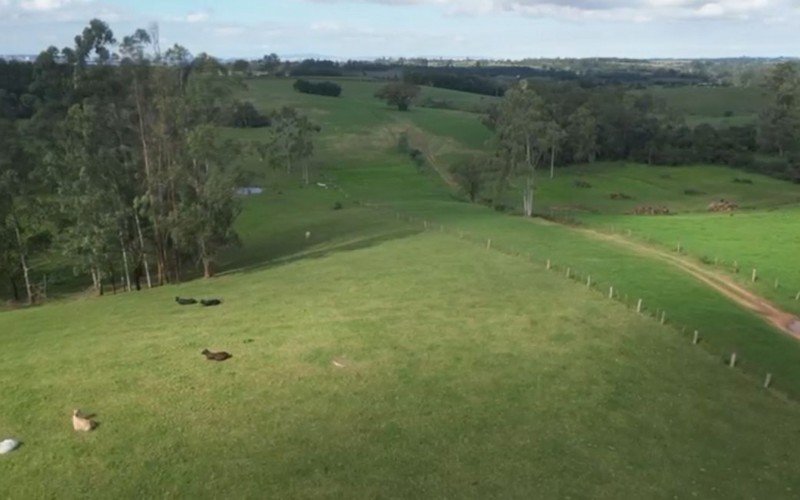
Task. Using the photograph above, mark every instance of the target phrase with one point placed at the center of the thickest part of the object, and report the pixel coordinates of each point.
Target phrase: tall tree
(208, 208)
(290, 136)
(398, 94)
(779, 124)
(582, 134)
(520, 131)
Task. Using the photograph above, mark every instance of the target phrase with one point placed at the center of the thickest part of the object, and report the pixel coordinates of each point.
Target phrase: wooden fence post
(568, 272)
(663, 317)
(639, 306)
(755, 276)
(777, 283)
(767, 381)
(696, 337)
(797, 297)
(611, 292)
(733, 360)
(589, 281)
(488, 244)
(549, 265)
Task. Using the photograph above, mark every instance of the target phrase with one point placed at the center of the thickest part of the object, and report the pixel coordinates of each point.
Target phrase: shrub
(581, 184)
(620, 196)
(337, 205)
(318, 88)
(417, 157)
(403, 145)
(245, 115)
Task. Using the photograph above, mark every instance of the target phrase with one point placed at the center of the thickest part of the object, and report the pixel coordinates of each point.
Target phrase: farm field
(763, 240)
(497, 391)
(389, 339)
(718, 106)
(680, 189)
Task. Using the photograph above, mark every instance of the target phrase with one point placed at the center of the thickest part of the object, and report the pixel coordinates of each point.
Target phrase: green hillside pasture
(719, 106)
(689, 304)
(681, 189)
(765, 240)
(359, 130)
(462, 373)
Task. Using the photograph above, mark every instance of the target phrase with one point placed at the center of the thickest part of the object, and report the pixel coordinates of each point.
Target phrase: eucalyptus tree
(522, 124)
(582, 134)
(291, 140)
(779, 123)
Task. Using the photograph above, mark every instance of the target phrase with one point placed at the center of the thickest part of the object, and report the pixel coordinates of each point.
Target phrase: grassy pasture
(764, 240)
(681, 189)
(467, 372)
(718, 106)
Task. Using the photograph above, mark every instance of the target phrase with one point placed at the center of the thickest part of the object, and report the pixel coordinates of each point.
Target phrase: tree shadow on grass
(293, 253)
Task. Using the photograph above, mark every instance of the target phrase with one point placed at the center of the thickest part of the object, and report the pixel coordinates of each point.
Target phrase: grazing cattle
(81, 423)
(185, 302)
(210, 302)
(216, 356)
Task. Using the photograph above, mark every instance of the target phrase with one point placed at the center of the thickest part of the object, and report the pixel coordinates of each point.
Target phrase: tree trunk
(23, 261)
(305, 173)
(127, 275)
(552, 161)
(144, 254)
(527, 197)
(208, 271)
(14, 288)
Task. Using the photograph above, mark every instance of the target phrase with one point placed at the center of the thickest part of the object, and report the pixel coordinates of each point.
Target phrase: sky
(344, 29)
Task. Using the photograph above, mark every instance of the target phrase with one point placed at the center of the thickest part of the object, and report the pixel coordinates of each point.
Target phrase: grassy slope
(469, 373)
(527, 383)
(710, 104)
(657, 186)
(765, 240)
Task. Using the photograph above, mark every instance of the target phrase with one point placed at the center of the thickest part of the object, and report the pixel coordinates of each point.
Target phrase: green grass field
(380, 359)
(763, 240)
(718, 106)
(681, 189)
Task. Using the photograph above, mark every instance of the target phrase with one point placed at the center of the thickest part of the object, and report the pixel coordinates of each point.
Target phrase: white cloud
(197, 17)
(609, 10)
(43, 5)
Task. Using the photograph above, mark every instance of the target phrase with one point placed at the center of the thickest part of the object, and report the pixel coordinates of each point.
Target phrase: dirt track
(786, 322)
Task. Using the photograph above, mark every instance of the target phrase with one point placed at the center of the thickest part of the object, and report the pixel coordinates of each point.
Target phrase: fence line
(658, 315)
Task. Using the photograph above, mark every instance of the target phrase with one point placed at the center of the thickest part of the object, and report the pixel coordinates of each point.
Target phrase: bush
(245, 115)
(329, 89)
(581, 184)
(338, 205)
(417, 157)
(403, 145)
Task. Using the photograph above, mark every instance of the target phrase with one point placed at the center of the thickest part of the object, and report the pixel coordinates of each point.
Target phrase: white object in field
(249, 191)
(8, 446)
(308, 234)
(325, 186)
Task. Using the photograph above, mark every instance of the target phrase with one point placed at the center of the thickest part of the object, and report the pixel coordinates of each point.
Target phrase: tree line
(539, 125)
(121, 168)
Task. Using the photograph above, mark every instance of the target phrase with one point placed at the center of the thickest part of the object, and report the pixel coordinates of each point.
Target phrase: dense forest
(111, 157)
